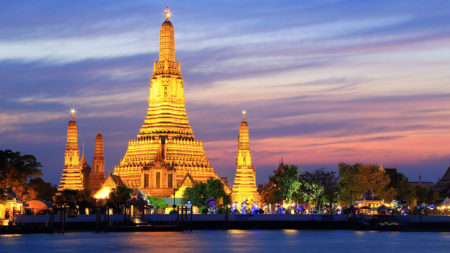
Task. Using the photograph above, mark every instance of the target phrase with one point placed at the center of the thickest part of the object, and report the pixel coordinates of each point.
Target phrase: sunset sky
(322, 82)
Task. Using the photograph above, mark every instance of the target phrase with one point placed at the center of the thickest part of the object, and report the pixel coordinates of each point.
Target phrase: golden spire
(72, 178)
(98, 164)
(83, 160)
(167, 42)
(165, 132)
(244, 186)
(167, 13)
(243, 138)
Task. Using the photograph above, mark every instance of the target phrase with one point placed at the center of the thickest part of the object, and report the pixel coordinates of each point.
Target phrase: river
(230, 241)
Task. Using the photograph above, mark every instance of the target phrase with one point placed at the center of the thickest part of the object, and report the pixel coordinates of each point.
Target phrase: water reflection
(290, 231)
(228, 241)
(10, 235)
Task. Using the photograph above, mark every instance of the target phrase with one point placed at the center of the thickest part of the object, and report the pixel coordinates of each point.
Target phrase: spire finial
(167, 13)
(99, 131)
(72, 111)
(243, 115)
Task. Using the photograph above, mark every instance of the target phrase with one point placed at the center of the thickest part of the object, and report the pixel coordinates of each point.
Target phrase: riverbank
(173, 222)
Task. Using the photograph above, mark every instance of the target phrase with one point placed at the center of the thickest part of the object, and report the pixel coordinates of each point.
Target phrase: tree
(411, 193)
(118, 196)
(426, 195)
(348, 182)
(158, 203)
(371, 177)
(16, 170)
(201, 192)
(358, 178)
(404, 190)
(319, 187)
(75, 200)
(3, 195)
(42, 190)
(196, 194)
(286, 179)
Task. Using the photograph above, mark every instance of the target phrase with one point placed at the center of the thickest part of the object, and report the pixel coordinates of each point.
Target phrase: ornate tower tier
(244, 187)
(98, 164)
(72, 178)
(165, 150)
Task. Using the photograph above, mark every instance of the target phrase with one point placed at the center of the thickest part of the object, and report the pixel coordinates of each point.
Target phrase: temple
(72, 177)
(244, 187)
(85, 171)
(166, 152)
(97, 177)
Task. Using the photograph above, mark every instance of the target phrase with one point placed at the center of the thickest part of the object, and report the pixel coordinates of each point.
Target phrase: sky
(323, 81)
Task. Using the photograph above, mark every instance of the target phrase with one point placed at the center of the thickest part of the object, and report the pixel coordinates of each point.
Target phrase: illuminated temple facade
(166, 155)
(244, 187)
(72, 177)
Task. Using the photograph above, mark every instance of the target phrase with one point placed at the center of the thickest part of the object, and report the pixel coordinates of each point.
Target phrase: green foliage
(403, 189)
(318, 188)
(201, 192)
(173, 211)
(348, 182)
(119, 196)
(293, 185)
(16, 170)
(358, 178)
(158, 203)
(196, 194)
(425, 195)
(203, 210)
(287, 181)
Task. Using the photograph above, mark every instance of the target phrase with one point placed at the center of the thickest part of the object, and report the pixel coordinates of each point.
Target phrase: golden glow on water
(290, 231)
(237, 231)
(10, 235)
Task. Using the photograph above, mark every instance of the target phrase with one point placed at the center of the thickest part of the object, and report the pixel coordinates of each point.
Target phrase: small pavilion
(369, 203)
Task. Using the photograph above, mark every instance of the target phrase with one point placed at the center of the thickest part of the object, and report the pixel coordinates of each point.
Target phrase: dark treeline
(323, 188)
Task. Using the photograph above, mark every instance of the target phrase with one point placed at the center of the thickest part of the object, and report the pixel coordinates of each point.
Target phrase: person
(255, 208)
(277, 209)
(211, 205)
(189, 207)
(234, 209)
(282, 210)
(244, 207)
(266, 208)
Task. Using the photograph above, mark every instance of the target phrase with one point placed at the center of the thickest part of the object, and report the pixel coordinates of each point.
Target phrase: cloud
(322, 81)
